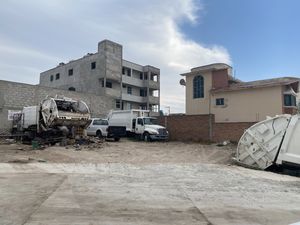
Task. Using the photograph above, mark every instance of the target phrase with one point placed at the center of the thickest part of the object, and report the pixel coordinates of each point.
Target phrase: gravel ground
(125, 151)
(137, 183)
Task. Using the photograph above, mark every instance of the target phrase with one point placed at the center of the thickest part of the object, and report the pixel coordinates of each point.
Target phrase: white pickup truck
(138, 122)
(98, 127)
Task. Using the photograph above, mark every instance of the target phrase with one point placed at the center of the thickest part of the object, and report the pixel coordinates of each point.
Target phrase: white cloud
(148, 30)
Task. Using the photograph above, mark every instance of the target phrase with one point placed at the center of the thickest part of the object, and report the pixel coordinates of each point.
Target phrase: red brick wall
(290, 110)
(187, 127)
(220, 78)
(196, 128)
(229, 131)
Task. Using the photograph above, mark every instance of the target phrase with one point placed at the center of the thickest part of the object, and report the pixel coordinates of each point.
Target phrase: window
(289, 100)
(108, 84)
(144, 107)
(126, 71)
(100, 122)
(57, 76)
(129, 90)
(141, 76)
(143, 92)
(93, 65)
(51, 78)
(198, 87)
(72, 89)
(145, 76)
(129, 72)
(118, 104)
(70, 72)
(219, 101)
(97, 122)
(140, 121)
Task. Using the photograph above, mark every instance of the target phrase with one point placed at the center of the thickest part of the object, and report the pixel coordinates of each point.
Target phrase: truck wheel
(147, 137)
(117, 139)
(99, 134)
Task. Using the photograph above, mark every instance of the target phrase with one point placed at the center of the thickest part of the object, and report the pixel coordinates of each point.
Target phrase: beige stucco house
(212, 89)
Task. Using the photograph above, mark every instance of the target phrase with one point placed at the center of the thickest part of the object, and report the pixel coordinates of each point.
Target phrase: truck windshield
(149, 121)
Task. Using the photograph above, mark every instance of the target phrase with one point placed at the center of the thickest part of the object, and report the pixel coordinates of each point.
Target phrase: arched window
(72, 89)
(198, 87)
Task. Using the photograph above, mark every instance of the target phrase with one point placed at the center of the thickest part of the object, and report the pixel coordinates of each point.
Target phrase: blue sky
(259, 38)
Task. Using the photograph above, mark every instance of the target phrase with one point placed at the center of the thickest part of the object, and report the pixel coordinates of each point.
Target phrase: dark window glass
(70, 72)
(97, 122)
(57, 76)
(198, 87)
(140, 121)
(143, 92)
(108, 84)
(123, 70)
(93, 65)
(118, 104)
(72, 89)
(129, 90)
(145, 76)
(133, 124)
(104, 122)
(141, 76)
(220, 101)
(128, 72)
(289, 100)
(51, 78)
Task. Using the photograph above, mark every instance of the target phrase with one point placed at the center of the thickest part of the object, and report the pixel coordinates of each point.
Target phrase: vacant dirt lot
(125, 151)
(137, 183)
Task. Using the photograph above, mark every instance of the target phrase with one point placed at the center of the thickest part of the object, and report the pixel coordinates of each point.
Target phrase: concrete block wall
(14, 96)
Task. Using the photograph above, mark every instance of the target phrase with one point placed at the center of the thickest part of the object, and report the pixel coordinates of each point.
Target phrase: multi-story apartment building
(106, 73)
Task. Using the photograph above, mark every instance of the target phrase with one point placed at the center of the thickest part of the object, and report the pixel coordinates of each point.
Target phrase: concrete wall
(14, 96)
(196, 106)
(249, 105)
(109, 63)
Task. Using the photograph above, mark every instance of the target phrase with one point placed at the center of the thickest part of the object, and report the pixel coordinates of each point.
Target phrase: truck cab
(149, 130)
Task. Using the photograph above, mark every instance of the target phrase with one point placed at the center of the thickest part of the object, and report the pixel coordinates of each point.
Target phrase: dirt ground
(137, 183)
(124, 151)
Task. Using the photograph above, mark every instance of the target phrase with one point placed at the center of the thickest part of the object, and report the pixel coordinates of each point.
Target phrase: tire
(99, 134)
(117, 139)
(146, 137)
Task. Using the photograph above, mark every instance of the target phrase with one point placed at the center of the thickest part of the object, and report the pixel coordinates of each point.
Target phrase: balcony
(154, 100)
(153, 84)
(132, 81)
(133, 98)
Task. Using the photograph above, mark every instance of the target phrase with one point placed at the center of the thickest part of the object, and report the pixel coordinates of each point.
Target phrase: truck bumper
(159, 137)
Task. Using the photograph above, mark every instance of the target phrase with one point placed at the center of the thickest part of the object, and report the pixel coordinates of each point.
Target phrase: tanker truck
(53, 118)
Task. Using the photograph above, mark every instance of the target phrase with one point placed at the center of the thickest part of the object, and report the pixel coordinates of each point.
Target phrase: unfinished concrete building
(106, 73)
